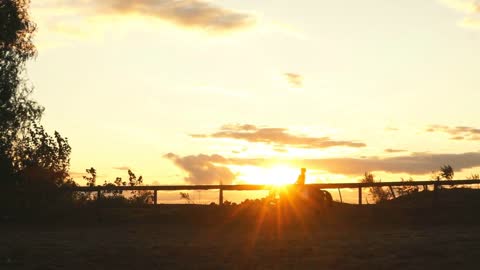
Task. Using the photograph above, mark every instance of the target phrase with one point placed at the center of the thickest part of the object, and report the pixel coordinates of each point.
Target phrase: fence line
(221, 188)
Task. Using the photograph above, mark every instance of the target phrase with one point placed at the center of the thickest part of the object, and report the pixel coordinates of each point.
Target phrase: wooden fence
(221, 188)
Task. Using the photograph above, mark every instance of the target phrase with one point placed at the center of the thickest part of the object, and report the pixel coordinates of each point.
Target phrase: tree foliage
(91, 177)
(24, 143)
(446, 172)
(38, 149)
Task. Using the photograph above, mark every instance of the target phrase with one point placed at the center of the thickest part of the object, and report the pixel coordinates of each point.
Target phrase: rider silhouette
(301, 177)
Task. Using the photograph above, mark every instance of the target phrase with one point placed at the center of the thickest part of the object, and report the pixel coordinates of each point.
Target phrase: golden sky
(249, 91)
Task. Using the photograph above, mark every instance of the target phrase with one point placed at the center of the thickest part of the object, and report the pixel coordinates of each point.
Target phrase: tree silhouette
(446, 172)
(24, 143)
(91, 178)
(37, 149)
(17, 111)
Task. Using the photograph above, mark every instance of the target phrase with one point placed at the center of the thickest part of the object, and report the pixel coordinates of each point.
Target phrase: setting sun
(276, 175)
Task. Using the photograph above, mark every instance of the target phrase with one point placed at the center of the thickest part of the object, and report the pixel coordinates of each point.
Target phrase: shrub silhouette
(406, 190)
(115, 197)
(474, 176)
(446, 172)
(379, 194)
(186, 196)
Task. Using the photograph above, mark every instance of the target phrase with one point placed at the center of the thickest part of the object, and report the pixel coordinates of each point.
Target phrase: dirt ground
(251, 241)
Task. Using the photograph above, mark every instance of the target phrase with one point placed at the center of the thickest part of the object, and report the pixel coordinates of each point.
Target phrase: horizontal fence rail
(222, 188)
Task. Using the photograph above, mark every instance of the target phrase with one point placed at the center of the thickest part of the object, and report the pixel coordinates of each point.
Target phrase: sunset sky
(198, 92)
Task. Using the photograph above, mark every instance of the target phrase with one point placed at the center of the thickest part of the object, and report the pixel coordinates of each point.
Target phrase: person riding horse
(311, 194)
(301, 177)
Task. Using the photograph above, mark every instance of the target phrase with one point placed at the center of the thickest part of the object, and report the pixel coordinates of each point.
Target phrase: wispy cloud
(122, 168)
(278, 137)
(457, 133)
(295, 80)
(390, 150)
(470, 9)
(391, 129)
(186, 13)
(77, 174)
(202, 169)
(473, 23)
(465, 6)
(191, 14)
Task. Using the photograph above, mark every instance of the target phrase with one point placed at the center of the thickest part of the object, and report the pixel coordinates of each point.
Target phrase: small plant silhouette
(406, 190)
(474, 176)
(186, 196)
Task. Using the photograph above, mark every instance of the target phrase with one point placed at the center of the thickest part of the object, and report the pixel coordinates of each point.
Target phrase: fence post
(99, 193)
(220, 196)
(340, 193)
(155, 197)
(360, 195)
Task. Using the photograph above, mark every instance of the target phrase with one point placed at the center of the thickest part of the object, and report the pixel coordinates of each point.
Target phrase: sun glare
(276, 175)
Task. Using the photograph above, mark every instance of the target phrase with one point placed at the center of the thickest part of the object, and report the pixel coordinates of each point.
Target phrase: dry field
(181, 237)
(183, 247)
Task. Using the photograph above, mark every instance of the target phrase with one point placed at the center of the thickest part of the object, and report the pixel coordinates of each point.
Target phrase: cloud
(122, 168)
(202, 169)
(186, 13)
(416, 163)
(77, 174)
(389, 150)
(470, 10)
(464, 6)
(192, 14)
(211, 169)
(295, 80)
(457, 133)
(243, 150)
(275, 136)
(391, 129)
(412, 164)
(473, 23)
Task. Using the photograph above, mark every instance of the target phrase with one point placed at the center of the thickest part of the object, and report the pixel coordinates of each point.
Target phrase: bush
(113, 197)
(379, 194)
(406, 190)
